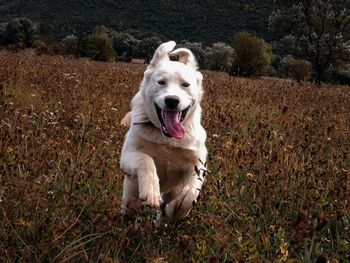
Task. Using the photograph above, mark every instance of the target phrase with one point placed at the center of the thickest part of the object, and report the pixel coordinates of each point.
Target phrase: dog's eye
(161, 82)
(186, 84)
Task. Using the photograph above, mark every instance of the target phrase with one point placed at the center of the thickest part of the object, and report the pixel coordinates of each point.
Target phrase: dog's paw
(150, 195)
(151, 199)
(180, 207)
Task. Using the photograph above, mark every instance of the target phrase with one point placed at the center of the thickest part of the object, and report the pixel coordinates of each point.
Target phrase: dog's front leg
(141, 167)
(187, 193)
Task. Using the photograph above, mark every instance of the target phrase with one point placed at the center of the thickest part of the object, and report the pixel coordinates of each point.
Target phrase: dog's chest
(171, 162)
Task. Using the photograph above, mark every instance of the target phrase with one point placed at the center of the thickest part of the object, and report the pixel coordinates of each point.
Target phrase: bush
(297, 69)
(253, 55)
(147, 46)
(219, 57)
(337, 76)
(133, 44)
(70, 46)
(301, 70)
(98, 46)
(19, 33)
(2, 31)
(42, 47)
(125, 45)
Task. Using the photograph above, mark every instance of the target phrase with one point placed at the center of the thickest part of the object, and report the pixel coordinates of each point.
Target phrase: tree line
(197, 21)
(315, 44)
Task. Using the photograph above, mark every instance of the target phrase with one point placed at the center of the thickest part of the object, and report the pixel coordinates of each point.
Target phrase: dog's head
(171, 90)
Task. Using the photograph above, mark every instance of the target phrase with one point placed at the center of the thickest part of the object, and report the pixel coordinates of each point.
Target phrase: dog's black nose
(172, 101)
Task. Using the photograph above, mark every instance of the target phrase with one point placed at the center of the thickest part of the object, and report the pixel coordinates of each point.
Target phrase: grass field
(279, 159)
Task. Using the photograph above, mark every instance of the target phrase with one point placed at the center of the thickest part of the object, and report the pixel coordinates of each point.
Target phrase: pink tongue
(172, 124)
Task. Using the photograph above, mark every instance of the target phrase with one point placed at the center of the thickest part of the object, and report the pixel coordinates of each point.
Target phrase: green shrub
(2, 31)
(42, 47)
(147, 46)
(253, 55)
(219, 57)
(297, 69)
(125, 45)
(19, 33)
(337, 76)
(98, 46)
(70, 46)
(301, 70)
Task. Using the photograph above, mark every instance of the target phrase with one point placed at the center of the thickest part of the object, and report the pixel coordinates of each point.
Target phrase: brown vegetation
(279, 161)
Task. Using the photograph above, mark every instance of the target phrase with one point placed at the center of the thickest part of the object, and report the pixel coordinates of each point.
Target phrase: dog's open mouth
(171, 122)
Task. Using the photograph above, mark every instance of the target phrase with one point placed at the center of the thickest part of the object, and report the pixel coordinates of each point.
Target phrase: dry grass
(279, 156)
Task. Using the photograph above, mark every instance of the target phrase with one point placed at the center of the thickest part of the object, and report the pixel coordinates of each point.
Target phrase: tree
(298, 69)
(125, 45)
(70, 45)
(98, 45)
(316, 30)
(253, 55)
(46, 33)
(148, 45)
(338, 76)
(19, 32)
(219, 57)
(2, 31)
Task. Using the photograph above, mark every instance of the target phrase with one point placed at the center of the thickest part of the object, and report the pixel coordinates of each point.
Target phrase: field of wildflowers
(278, 187)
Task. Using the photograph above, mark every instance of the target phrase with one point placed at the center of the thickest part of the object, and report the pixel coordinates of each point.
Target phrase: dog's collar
(148, 123)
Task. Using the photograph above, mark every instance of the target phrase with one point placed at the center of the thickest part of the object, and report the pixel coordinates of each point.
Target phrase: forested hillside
(203, 21)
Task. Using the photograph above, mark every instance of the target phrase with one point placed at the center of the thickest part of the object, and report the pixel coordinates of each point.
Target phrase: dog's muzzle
(171, 120)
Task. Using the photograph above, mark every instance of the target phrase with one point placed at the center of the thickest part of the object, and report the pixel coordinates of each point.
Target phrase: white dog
(164, 151)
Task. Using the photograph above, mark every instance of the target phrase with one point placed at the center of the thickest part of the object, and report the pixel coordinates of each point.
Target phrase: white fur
(161, 169)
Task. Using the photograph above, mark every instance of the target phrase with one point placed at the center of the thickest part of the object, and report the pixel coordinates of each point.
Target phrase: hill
(203, 21)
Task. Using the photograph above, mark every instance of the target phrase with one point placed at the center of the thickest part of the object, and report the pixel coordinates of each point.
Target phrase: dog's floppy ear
(185, 56)
(162, 52)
